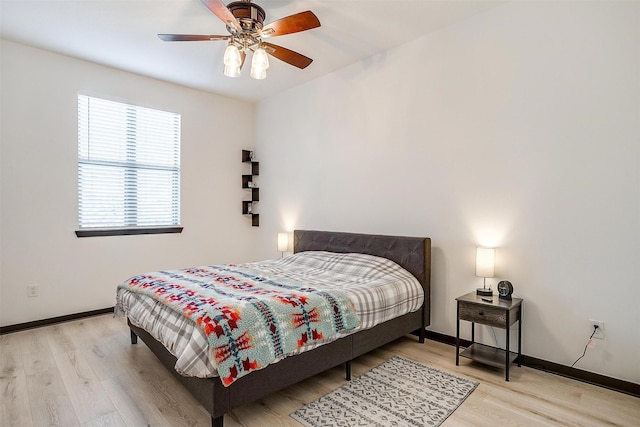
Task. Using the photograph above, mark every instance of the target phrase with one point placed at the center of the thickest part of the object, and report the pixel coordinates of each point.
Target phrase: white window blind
(128, 165)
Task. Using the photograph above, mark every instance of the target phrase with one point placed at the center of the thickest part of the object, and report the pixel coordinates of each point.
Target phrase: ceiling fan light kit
(244, 22)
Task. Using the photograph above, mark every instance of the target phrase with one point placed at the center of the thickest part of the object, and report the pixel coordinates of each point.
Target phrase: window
(128, 169)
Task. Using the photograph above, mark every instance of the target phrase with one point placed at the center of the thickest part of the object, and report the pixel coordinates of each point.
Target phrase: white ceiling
(123, 34)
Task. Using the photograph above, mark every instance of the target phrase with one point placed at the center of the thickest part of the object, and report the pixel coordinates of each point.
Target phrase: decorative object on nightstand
(248, 182)
(283, 243)
(505, 289)
(485, 267)
(499, 313)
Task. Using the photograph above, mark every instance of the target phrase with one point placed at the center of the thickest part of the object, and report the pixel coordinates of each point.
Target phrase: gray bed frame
(412, 253)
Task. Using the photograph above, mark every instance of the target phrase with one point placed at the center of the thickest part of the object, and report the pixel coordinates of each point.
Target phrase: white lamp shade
(283, 242)
(258, 74)
(259, 64)
(231, 71)
(485, 262)
(260, 59)
(232, 61)
(232, 56)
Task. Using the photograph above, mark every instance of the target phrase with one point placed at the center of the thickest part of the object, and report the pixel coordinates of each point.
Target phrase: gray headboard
(411, 253)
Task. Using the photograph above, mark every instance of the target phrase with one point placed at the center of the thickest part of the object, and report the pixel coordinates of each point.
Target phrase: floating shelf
(248, 183)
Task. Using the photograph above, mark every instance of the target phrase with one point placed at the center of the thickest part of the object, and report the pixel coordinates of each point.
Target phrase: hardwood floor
(86, 373)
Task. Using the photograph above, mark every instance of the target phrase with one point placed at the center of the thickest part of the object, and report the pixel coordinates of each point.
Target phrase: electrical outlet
(600, 331)
(32, 290)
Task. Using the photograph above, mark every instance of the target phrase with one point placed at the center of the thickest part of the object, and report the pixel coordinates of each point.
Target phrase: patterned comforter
(169, 305)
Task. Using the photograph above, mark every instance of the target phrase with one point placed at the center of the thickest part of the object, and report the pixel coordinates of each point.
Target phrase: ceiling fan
(244, 21)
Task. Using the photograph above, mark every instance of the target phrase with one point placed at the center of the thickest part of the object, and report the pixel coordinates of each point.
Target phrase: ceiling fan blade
(291, 24)
(243, 56)
(294, 58)
(189, 37)
(222, 12)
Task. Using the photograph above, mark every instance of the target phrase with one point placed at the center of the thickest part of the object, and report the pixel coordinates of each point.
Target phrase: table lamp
(485, 266)
(283, 243)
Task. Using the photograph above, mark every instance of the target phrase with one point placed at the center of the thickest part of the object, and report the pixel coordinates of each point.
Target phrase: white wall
(39, 185)
(519, 129)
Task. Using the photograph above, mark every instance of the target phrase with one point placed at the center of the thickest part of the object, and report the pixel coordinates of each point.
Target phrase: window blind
(128, 165)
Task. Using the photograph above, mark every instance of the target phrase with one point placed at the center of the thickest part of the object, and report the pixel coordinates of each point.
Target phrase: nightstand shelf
(488, 355)
(498, 313)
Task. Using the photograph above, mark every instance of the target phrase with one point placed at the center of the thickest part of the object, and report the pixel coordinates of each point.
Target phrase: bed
(411, 253)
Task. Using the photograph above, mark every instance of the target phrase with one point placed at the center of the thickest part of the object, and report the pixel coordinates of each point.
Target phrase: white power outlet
(32, 290)
(600, 331)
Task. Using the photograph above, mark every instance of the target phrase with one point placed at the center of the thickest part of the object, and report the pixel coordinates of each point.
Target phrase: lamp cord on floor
(595, 329)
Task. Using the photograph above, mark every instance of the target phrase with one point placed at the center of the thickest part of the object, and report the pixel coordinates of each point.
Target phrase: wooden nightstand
(499, 313)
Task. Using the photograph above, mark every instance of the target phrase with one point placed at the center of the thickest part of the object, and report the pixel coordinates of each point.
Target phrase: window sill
(96, 232)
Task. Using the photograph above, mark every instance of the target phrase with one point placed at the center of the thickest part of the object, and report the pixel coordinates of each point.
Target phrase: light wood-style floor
(86, 373)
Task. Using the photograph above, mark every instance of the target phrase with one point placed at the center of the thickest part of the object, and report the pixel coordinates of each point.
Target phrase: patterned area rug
(399, 392)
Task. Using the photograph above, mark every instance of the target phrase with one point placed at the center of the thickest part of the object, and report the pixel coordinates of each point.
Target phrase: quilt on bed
(250, 320)
(379, 289)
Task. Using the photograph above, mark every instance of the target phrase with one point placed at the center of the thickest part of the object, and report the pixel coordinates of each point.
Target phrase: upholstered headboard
(411, 253)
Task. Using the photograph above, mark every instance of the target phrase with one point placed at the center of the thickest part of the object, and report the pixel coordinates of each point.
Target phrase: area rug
(399, 392)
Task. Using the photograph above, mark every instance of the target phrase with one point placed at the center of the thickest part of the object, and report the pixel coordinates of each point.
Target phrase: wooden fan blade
(189, 37)
(294, 58)
(222, 12)
(291, 24)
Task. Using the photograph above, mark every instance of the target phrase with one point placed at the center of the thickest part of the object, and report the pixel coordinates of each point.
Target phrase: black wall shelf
(249, 183)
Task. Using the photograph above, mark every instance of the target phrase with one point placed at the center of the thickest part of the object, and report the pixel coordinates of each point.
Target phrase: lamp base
(484, 292)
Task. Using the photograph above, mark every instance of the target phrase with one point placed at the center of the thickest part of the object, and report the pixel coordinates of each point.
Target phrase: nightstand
(499, 313)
